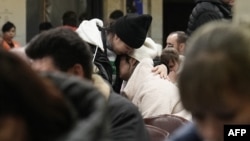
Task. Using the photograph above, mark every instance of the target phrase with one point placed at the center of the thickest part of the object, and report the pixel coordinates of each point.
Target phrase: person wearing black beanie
(128, 32)
(125, 34)
(121, 37)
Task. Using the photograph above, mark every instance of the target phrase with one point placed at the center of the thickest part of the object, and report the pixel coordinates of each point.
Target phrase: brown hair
(217, 62)
(169, 55)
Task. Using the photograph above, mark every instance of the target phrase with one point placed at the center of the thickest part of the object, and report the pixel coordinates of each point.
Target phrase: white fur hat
(147, 50)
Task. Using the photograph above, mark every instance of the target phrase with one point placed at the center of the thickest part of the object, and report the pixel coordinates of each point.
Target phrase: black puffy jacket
(206, 11)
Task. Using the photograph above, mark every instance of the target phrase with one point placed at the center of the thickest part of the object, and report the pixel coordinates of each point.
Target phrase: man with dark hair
(61, 49)
(69, 19)
(209, 10)
(43, 26)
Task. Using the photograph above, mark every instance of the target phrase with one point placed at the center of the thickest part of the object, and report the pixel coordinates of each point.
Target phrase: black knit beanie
(132, 29)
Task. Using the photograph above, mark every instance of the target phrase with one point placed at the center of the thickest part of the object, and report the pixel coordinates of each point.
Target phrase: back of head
(116, 14)
(217, 61)
(90, 106)
(64, 46)
(132, 29)
(7, 26)
(83, 16)
(182, 36)
(36, 102)
(45, 26)
(70, 18)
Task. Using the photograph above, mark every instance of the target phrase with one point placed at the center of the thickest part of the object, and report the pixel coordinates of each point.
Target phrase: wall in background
(15, 12)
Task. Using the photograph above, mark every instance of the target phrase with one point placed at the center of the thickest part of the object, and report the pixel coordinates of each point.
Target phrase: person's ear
(77, 70)
(133, 62)
(182, 47)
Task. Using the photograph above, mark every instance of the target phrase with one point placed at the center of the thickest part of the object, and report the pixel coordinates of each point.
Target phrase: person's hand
(161, 70)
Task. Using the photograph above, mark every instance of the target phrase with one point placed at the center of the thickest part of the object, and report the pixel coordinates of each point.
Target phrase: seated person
(214, 82)
(170, 58)
(31, 107)
(152, 95)
(61, 49)
(9, 32)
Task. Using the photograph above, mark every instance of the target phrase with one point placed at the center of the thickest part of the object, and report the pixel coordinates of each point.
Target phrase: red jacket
(7, 47)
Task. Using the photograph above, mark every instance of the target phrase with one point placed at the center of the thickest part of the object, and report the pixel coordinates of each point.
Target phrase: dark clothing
(126, 121)
(118, 81)
(102, 62)
(186, 133)
(100, 119)
(206, 11)
(88, 105)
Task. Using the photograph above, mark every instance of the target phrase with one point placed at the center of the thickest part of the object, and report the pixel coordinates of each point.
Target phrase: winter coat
(121, 121)
(126, 123)
(89, 31)
(89, 105)
(206, 11)
(152, 95)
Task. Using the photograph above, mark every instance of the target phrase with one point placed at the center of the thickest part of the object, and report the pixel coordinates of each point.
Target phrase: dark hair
(7, 26)
(70, 18)
(217, 63)
(116, 14)
(181, 36)
(83, 16)
(64, 46)
(45, 26)
(37, 101)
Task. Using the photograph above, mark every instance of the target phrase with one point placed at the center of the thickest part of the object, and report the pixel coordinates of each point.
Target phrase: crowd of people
(98, 81)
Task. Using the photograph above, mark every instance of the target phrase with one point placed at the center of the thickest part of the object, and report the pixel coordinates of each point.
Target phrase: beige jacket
(152, 95)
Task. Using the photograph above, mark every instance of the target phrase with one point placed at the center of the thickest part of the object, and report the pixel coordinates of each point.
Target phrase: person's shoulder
(186, 133)
(118, 101)
(16, 43)
(119, 106)
(205, 6)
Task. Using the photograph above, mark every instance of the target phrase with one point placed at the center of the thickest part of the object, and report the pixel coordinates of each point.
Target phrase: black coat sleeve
(126, 121)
